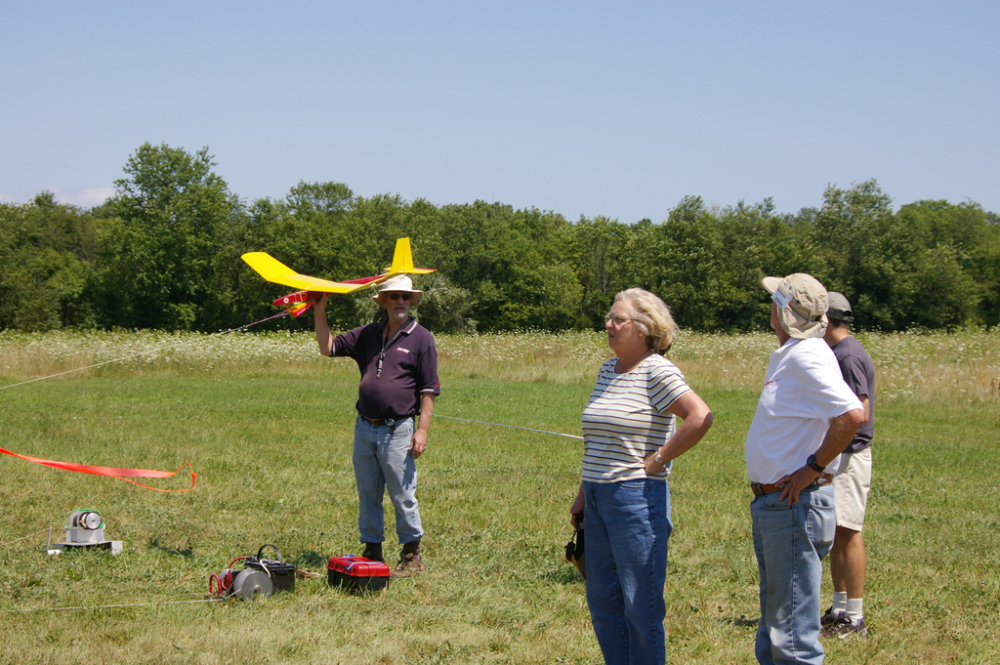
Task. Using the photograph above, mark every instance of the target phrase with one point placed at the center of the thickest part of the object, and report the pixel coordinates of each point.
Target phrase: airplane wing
(275, 271)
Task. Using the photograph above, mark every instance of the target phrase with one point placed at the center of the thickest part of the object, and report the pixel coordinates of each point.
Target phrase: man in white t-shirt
(806, 416)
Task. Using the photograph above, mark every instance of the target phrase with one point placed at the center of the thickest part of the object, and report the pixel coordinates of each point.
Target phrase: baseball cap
(840, 308)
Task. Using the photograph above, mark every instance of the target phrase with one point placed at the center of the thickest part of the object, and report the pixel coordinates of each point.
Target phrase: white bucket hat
(399, 283)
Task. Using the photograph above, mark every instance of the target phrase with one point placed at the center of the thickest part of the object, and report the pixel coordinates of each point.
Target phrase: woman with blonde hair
(630, 439)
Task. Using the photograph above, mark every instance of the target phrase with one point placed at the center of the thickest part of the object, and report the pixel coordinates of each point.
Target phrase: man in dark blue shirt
(851, 484)
(398, 363)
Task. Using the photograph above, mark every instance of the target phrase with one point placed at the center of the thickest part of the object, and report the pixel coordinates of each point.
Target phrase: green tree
(473, 248)
(944, 295)
(755, 242)
(989, 305)
(601, 250)
(445, 306)
(170, 245)
(869, 256)
(959, 260)
(47, 251)
(681, 264)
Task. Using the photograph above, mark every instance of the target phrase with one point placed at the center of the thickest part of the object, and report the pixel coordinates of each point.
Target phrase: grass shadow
(741, 621)
(310, 559)
(562, 575)
(187, 552)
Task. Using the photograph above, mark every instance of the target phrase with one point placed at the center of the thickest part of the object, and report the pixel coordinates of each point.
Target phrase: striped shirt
(626, 419)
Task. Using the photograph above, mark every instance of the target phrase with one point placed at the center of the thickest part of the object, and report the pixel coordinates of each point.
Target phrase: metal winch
(260, 577)
(84, 529)
(246, 584)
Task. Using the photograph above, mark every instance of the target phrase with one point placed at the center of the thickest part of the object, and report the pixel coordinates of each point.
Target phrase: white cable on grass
(527, 429)
(141, 353)
(113, 607)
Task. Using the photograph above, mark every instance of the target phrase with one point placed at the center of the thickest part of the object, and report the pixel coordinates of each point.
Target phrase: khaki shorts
(850, 489)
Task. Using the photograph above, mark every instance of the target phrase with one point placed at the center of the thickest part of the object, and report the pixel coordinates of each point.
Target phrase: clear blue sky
(581, 108)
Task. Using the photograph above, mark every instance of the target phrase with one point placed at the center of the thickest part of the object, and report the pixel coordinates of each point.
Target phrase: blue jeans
(382, 460)
(627, 526)
(790, 543)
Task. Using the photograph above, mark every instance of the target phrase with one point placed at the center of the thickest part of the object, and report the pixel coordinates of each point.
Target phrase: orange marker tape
(110, 472)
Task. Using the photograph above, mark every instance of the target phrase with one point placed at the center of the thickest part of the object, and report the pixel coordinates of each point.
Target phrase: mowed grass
(267, 425)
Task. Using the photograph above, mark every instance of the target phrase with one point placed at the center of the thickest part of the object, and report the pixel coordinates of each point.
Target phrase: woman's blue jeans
(627, 526)
(790, 543)
(383, 461)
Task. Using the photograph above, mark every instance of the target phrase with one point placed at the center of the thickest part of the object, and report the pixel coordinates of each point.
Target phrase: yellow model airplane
(296, 303)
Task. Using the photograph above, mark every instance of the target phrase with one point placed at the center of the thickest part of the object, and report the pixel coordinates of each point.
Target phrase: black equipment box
(282, 574)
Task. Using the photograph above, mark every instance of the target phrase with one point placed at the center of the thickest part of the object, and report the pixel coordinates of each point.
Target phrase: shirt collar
(405, 329)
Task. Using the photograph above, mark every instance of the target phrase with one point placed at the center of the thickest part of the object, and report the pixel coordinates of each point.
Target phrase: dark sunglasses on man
(397, 296)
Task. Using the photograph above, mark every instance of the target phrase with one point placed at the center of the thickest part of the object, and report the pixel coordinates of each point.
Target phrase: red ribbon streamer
(110, 472)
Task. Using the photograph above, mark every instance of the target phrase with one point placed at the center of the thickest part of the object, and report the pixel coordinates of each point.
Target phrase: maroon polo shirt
(409, 368)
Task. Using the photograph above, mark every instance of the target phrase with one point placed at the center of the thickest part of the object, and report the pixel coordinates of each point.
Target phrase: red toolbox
(357, 574)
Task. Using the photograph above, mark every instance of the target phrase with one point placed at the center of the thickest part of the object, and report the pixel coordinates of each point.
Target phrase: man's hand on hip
(796, 482)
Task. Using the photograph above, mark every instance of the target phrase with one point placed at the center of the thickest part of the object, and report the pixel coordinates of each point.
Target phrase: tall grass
(267, 424)
(963, 365)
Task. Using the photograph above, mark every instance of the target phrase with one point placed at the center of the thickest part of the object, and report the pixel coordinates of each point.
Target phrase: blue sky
(582, 108)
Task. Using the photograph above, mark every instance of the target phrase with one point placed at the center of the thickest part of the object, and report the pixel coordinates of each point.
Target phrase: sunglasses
(397, 296)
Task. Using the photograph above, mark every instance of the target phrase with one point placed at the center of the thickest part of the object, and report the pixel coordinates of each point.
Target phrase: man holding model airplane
(399, 381)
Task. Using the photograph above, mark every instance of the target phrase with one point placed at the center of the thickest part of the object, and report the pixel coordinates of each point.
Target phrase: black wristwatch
(814, 465)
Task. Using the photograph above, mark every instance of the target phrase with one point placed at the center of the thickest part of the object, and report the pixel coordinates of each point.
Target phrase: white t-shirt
(804, 389)
(626, 418)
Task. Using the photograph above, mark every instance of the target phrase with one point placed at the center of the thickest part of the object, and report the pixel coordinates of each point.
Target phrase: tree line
(164, 253)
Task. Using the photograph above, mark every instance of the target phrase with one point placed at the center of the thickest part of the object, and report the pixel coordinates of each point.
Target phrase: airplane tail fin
(402, 260)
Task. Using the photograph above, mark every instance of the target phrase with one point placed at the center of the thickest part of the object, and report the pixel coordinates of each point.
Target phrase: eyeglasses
(618, 320)
(397, 296)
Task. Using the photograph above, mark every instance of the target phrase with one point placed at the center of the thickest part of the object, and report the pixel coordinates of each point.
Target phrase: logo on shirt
(403, 349)
(767, 383)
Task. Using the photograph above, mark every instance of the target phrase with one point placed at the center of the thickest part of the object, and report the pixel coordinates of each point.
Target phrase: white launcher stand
(84, 529)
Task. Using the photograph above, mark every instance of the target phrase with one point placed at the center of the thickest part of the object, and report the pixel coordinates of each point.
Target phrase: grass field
(267, 425)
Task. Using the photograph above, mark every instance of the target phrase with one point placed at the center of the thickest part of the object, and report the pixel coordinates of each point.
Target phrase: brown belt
(378, 422)
(760, 489)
